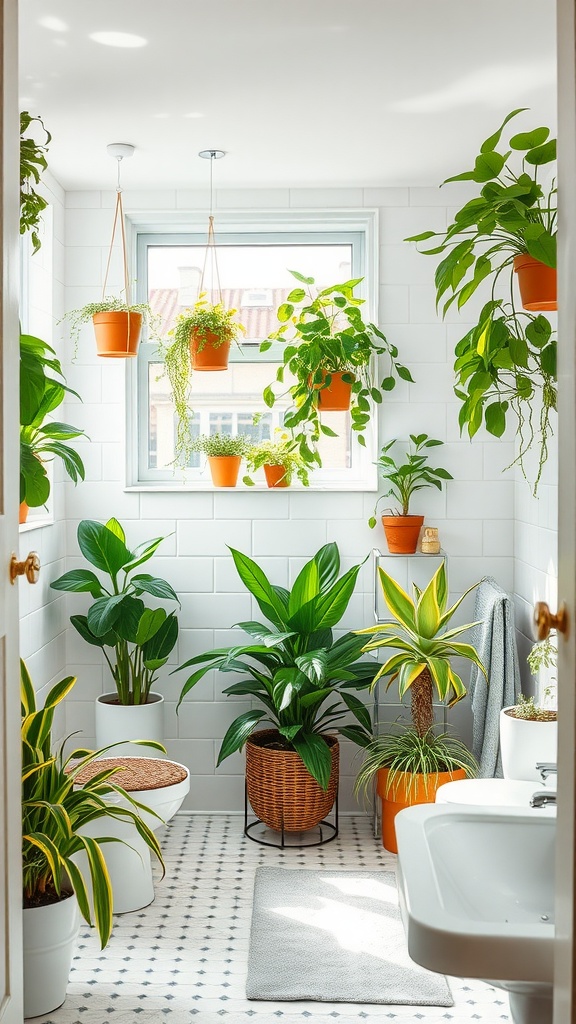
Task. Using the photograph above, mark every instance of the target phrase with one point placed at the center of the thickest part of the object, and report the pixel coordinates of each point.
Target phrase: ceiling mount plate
(120, 150)
(211, 154)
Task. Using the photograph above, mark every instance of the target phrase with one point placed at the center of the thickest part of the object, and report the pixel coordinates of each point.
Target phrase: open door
(10, 816)
(565, 973)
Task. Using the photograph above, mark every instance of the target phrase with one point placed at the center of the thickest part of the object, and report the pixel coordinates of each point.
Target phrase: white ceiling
(297, 92)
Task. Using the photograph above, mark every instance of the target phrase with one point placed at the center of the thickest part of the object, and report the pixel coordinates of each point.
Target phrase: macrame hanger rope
(118, 216)
(211, 243)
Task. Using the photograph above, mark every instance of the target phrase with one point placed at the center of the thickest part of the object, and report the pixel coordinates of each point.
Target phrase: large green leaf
(313, 664)
(150, 622)
(143, 553)
(80, 623)
(255, 580)
(306, 587)
(144, 583)
(101, 547)
(358, 709)
(238, 733)
(103, 614)
(315, 754)
(79, 581)
(328, 562)
(428, 612)
(162, 643)
(126, 625)
(332, 605)
(397, 600)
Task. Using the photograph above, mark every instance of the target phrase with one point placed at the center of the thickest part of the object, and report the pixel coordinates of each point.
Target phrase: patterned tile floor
(183, 959)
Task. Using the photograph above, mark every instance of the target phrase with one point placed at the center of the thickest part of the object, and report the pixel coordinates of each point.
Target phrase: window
(254, 277)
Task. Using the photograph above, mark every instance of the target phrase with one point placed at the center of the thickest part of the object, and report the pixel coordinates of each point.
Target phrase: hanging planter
(336, 396)
(537, 283)
(117, 333)
(208, 351)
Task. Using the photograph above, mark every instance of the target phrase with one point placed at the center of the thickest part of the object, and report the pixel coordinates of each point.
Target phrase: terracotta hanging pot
(406, 791)
(117, 334)
(402, 533)
(224, 469)
(276, 476)
(23, 512)
(537, 283)
(205, 355)
(336, 397)
(281, 791)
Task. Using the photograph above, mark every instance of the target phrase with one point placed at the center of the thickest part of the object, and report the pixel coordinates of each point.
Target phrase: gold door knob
(544, 620)
(30, 568)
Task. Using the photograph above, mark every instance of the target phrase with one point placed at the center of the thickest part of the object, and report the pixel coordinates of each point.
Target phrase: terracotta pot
(280, 789)
(402, 533)
(276, 476)
(23, 512)
(537, 283)
(224, 469)
(117, 334)
(404, 793)
(336, 397)
(205, 355)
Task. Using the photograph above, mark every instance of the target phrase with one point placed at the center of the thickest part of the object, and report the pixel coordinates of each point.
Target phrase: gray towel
(495, 640)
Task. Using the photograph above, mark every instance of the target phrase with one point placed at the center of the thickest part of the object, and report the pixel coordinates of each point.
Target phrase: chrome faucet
(546, 768)
(547, 796)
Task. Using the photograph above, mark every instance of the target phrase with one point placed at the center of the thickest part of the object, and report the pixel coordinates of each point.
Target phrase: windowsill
(36, 524)
(205, 486)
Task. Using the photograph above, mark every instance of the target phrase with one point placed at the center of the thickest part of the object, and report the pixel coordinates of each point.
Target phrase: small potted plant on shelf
(402, 529)
(55, 814)
(224, 453)
(42, 390)
(411, 763)
(529, 728)
(302, 677)
(507, 362)
(330, 351)
(136, 641)
(280, 458)
(117, 326)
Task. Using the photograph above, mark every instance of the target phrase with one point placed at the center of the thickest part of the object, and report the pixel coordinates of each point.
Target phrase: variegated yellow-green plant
(420, 662)
(54, 813)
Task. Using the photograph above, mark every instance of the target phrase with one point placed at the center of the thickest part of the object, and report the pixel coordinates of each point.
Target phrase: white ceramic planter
(523, 744)
(49, 939)
(116, 723)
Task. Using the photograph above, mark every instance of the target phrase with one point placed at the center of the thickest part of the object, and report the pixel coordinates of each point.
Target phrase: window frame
(359, 227)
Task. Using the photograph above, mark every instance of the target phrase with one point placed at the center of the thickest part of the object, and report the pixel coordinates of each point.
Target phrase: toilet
(161, 786)
(492, 792)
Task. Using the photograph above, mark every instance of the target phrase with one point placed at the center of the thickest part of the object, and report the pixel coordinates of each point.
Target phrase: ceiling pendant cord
(210, 254)
(118, 216)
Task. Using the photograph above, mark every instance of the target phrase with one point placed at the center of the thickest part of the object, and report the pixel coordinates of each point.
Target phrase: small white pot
(49, 939)
(116, 723)
(523, 743)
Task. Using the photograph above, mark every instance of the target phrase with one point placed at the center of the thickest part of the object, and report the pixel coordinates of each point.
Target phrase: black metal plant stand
(326, 830)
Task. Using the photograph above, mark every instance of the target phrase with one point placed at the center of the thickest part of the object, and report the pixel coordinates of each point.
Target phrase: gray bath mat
(334, 936)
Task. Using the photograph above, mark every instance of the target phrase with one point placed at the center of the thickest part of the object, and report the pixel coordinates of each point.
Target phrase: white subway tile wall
(487, 521)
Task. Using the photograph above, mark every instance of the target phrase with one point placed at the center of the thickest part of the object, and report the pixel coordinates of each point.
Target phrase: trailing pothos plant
(507, 362)
(32, 163)
(324, 333)
(292, 665)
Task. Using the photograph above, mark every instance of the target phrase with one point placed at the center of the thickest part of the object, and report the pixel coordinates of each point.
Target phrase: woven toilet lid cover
(137, 773)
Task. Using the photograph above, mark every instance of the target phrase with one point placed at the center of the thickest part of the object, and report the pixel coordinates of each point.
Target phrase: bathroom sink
(477, 890)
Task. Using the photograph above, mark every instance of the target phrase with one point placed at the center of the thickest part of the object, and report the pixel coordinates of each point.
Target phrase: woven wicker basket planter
(281, 791)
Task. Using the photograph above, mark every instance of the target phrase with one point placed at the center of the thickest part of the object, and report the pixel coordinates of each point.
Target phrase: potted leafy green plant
(32, 163)
(529, 728)
(42, 390)
(402, 529)
(507, 363)
(202, 336)
(224, 453)
(55, 814)
(117, 326)
(330, 352)
(139, 639)
(411, 763)
(302, 677)
(281, 460)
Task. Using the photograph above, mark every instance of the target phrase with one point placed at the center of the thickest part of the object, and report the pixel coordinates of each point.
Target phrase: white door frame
(11, 1011)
